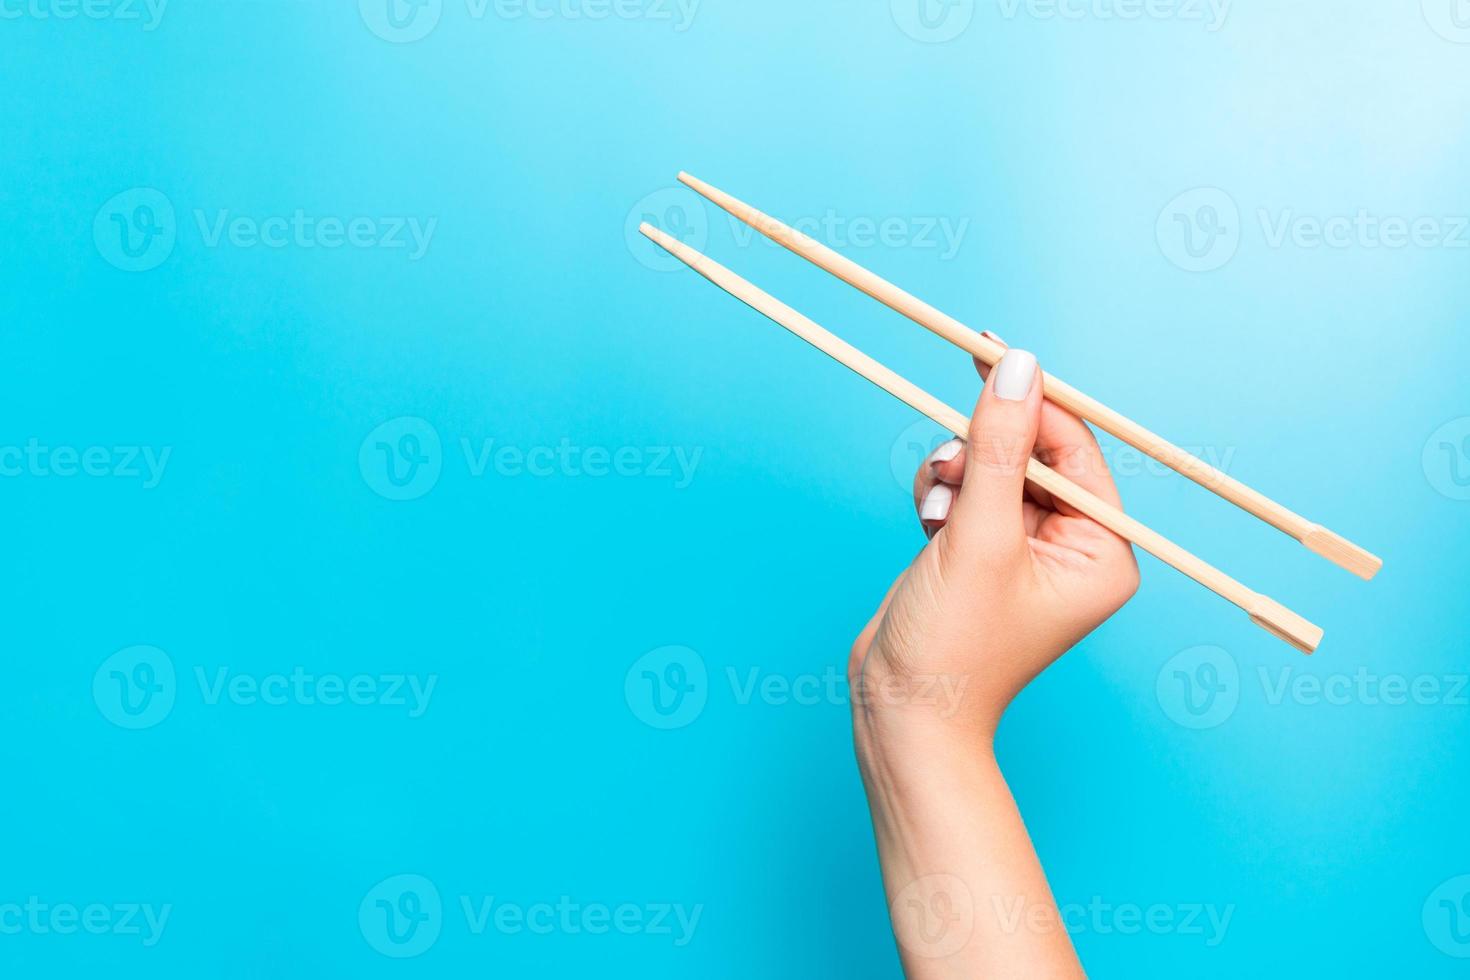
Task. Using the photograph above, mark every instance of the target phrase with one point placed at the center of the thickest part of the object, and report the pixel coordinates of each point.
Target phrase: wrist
(916, 758)
(924, 715)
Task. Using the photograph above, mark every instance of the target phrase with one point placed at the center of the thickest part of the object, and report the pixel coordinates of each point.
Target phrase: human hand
(1011, 579)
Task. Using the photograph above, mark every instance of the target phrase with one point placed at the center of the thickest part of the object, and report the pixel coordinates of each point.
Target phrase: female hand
(1010, 580)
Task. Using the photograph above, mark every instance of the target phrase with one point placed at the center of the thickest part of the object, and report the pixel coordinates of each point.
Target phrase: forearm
(966, 891)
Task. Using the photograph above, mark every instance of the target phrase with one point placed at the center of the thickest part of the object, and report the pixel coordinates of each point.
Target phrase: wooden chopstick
(1316, 538)
(1263, 611)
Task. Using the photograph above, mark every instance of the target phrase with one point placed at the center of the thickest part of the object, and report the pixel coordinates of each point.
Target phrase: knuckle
(1074, 462)
(1128, 583)
(1000, 452)
(855, 659)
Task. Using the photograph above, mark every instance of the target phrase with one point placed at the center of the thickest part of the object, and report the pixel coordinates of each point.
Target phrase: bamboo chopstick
(1316, 538)
(1263, 611)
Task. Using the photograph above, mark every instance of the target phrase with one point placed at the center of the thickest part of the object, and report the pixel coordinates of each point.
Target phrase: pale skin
(1010, 580)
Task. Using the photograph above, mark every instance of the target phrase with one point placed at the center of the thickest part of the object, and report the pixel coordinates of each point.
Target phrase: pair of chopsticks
(1263, 611)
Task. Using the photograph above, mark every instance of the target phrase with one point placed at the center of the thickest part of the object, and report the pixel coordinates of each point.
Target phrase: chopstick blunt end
(1281, 622)
(1342, 552)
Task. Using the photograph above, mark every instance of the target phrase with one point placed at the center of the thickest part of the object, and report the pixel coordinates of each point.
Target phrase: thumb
(988, 515)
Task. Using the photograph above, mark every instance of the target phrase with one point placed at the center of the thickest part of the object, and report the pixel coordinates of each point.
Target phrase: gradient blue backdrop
(1330, 830)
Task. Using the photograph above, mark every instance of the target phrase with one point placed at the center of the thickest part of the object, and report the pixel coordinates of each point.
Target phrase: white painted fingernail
(1014, 374)
(936, 504)
(946, 452)
(994, 336)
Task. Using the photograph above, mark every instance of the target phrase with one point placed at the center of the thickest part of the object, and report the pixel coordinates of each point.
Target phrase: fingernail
(994, 336)
(1014, 374)
(936, 504)
(946, 452)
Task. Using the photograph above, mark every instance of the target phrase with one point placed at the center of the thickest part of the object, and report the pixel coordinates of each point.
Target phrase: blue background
(535, 321)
